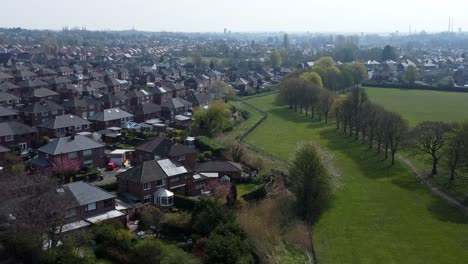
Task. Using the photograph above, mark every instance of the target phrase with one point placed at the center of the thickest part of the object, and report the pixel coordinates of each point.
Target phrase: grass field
(254, 117)
(418, 105)
(381, 214)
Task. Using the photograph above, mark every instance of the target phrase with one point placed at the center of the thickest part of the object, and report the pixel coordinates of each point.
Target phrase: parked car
(111, 166)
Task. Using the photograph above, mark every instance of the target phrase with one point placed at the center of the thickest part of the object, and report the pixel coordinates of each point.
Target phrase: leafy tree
(312, 77)
(151, 216)
(227, 245)
(215, 119)
(221, 90)
(388, 53)
(312, 183)
(411, 74)
(275, 59)
(430, 137)
(208, 214)
(326, 101)
(325, 62)
(358, 72)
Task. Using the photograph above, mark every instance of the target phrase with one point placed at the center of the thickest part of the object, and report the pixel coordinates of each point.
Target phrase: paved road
(423, 178)
(108, 177)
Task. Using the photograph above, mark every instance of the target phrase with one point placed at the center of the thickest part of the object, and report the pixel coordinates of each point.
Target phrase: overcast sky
(237, 15)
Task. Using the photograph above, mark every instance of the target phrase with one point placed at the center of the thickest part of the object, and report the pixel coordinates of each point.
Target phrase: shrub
(175, 224)
(184, 203)
(208, 214)
(149, 217)
(208, 144)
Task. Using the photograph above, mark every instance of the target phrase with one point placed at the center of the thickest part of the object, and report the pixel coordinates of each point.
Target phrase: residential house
(83, 107)
(88, 151)
(173, 107)
(147, 111)
(147, 182)
(160, 148)
(112, 117)
(199, 99)
(7, 114)
(9, 101)
(16, 135)
(36, 113)
(224, 168)
(161, 94)
(60, 126)
(87, 205)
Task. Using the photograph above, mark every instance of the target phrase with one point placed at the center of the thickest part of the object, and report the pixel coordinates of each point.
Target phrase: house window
(8, 138)
(70, 213)
(88, 163)
(45, 113)
(161, 182)
(187, 177)
(108, 203)
(147, 199)
(90, 207)
(174, 179)
(87, 152)
(10, 101)
(199, 185)
(146, 186)
(72, 155)
(77, 128)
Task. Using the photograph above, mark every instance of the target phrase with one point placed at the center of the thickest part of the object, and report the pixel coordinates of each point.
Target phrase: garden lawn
(420, 105)
(380, 214)
(245, 188)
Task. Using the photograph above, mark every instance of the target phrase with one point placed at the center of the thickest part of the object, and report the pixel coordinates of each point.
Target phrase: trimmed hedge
(184, 203)
(413, 87)
(208, 144)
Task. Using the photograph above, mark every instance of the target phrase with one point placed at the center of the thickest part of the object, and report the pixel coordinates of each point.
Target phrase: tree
(456, 148)
(325, 62)
(312, 77)
(397, 133)
(430, 137)
(286, 41)
(215, 119)
(411, 74)
(66, 167)
(358, 72)
(388, 53)
(34, 209)
(208, 214)
(197, 59)
(220, 89)
(326, 101)
(275, 59)
(150, 217)
(312, 182)
(227, 245)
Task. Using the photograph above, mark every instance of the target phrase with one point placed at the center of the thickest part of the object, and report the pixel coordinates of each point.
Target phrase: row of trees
(358, 116)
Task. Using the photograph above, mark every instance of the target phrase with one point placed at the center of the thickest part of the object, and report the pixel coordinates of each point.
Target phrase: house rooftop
(69, 144)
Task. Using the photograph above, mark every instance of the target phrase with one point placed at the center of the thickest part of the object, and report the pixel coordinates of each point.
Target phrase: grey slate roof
(7, 96)
(180, 149)
(157, 146)
(43, 92)
(6, 112)
(15, 128)
(174, 103)
(43, 106)
(151, 171)
(110, 114)
(67, 145)
(4, 149)
(218, 166)
(86, 193)
(64, 121)
(148, 108)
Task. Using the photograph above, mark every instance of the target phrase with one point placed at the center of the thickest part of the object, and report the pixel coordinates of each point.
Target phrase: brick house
(161, 95)
(173, 107)
(36, 113)
(7, 115)
(88, 151)
(87, 204)
(84, 107)
(16, 135)
(141, 183)
(112, 117)
(59, 126)
(147, 111)
(161, 148)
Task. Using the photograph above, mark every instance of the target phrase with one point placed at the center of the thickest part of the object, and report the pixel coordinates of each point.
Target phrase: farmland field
(420, 105)
(381, 214)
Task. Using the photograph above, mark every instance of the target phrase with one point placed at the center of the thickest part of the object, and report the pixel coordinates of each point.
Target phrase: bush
(228, 245)
(184, 203)
(176, 224)
(151, 216)
(208, 214)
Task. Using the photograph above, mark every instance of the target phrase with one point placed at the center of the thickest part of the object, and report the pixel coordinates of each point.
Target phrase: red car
(111, 166)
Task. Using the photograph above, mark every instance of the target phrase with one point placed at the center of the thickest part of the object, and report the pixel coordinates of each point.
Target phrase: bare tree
(430, 137)
(326, 101)
(34, 209)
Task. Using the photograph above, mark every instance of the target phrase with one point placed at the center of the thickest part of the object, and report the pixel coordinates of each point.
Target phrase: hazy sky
(237, 15)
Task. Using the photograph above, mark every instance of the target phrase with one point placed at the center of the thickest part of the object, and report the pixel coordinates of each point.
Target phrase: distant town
(114, 123)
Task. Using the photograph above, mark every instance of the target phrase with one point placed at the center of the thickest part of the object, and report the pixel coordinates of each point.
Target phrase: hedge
(184, 203)
(208, 144)
(413, 86)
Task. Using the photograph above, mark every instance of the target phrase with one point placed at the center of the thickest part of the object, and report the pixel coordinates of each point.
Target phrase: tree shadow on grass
(447, 213)
(373, 167)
